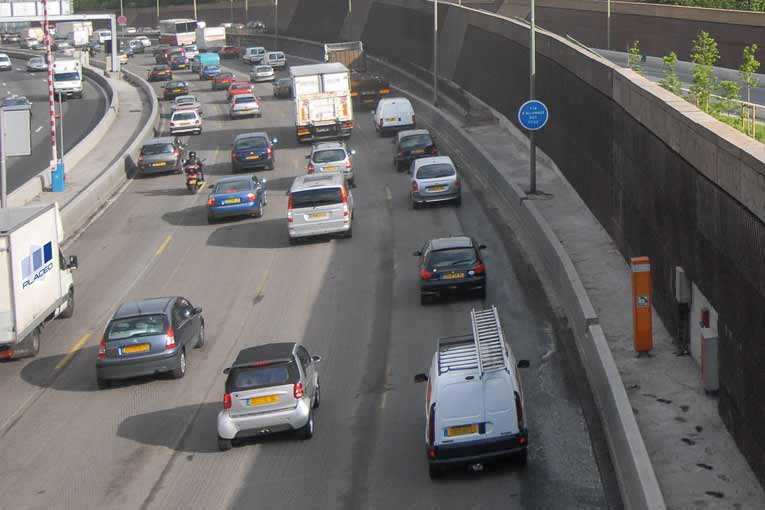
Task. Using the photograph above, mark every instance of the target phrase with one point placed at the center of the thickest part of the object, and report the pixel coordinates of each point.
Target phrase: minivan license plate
(318, 215)
(462, 431)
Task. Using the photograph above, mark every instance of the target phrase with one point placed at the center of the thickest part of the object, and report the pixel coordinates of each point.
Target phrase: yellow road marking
(163, 246)
(76, 347)
(262, 284)
(204, 183)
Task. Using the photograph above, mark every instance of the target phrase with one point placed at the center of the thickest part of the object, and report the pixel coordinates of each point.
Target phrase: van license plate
(391, 119)
(462, 431)
(259, 401)
(318, 215)
(132, 349)
(437, 188)
(330, 168)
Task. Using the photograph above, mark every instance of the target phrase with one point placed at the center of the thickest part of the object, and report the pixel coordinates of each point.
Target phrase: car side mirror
(316, 359)
(197, 310)
(422, 377)
(353, 152)
(263, 182)
(274, 141)
(73, 262)
(417, 253)
(481, 246)
(524, 363)
(186, 313)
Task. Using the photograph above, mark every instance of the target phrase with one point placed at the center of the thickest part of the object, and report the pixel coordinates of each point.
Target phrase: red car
(222, 81)
(239, 87)
(230, 52)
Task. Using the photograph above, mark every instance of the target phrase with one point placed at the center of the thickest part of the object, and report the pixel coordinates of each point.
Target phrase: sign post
(642, 303)
(532, 116)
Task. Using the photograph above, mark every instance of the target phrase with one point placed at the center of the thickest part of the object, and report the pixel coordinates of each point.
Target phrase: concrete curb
(638, 485)
(76, 213)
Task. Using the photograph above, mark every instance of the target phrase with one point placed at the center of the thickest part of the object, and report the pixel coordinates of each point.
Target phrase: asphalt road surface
(151, 442)
(80, 117)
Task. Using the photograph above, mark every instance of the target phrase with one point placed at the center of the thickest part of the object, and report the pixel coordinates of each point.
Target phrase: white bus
(177, 32)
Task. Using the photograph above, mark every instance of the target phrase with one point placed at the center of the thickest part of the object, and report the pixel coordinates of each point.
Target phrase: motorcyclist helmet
(192, 155)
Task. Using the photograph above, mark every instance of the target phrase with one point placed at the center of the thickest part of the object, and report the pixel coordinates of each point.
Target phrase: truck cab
(67, 78)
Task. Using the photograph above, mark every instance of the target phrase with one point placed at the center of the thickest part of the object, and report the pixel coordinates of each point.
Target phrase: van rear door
(499, 405)
(318, 210)
(460, 412)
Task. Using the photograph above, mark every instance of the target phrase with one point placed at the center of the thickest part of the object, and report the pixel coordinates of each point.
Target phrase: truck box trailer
(210, 38)
(36, 282)
(323, 104)
(365, 86)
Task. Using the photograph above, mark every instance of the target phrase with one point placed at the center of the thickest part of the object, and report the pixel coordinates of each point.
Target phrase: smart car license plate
(132, 349)
(160, 163)
(437, 188)
(232, 200)
(318, 215)
(452, 276)
(418, 151)
(330, 168)
(259, 401)
(462, 431)
(253, 156)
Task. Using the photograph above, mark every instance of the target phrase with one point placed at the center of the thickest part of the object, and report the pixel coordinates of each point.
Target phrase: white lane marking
(388, 194)
(5, 84)
(38, 129)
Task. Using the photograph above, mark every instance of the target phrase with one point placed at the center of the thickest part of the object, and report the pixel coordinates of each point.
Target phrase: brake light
(250, 197)
(348, 164)
(227, 401)
(197, 122)
(233, 155)
(432, 429)
(425, 274)
(401, 154)
(433, 150)
(479, 269)
(457, 183)
(102, 348)
(170, 340)
(289, 209)
(311, 168)
(414, 119)
(140, 158)
(211, 201)
(298, 390)
(519, 409)
(415, 187)
(269, 152)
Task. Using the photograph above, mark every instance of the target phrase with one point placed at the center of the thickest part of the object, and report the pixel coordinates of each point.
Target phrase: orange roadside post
(642, 304)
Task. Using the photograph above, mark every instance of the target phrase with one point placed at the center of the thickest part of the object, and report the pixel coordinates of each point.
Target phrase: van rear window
(316, 197)
(251, 378)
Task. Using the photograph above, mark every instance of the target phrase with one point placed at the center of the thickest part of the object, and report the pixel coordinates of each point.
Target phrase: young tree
(729, 92)
(705, 82)
(634, 58)
(671, 82)
(749, 66)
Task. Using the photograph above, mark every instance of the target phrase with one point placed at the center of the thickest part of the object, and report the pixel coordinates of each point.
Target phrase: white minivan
(394, 114)
(474, 410)
(254, 55)
(319, 204)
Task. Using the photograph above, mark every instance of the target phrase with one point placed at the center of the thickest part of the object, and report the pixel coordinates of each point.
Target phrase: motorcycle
(193, 176)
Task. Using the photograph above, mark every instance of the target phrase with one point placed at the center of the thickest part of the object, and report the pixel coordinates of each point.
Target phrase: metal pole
(195, 9)
(532, 92)
(61, 125)
(435, 52)
(157, 12)
(276, 24)
(350, 6)
(608, 26)
(51, 99)
(122, 13)
(231, 7)
(3, 169)
(246, 10)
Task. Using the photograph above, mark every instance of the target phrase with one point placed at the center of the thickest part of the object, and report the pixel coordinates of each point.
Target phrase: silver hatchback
(331, 157)
(434, 180)
(270, 388)
(244, 105)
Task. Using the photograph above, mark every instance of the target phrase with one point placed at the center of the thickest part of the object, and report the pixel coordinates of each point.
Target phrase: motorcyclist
(191, 160)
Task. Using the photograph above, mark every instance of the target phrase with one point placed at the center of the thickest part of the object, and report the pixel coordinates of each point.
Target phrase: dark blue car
(209, 72)
(253, 150)
(237, 196)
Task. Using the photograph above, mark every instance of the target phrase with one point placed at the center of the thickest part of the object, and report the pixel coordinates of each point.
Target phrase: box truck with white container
(76, 32)
(67, 77)
(36, 282)
(323, 105)
(210, 38)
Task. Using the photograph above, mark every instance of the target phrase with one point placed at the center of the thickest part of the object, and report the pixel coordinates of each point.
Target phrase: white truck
(210, 38)
(67, 78)
(76, 32)
(36, 283)
(323, 104)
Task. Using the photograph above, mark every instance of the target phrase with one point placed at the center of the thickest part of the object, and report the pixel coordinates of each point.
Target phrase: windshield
(157, 148)
(184, 116)
(161, 68)
(262, 69)
(232, 186)
(224, 76)
(240, 87)
(316, 197)
(435, 171)
(36, 61)
(255, 142)
(75, 76)
(328, 155)
(443, 259)
(4, 59)
(131, 327)
(244, 99)
(409, 142)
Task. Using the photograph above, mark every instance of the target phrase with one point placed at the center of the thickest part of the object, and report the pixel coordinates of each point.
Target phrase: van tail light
(519, 409)
(289, 209)
(227, 401)
(425, 274)
(344, 194)
(432, 429)
(457, 183)
(298, 391)
(102, 348)
(170, 338)
(211, 201)
(434, 150)
(479, 269)
(250, 197)
(415, 187)
(348, 164)
(311, 168)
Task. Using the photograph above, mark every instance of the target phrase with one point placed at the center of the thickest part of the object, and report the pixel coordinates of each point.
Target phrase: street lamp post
(276, 24)
(157, 12)
(608, 24)
(435, 52)
(195, 9)
(532, 93)
(231, 4)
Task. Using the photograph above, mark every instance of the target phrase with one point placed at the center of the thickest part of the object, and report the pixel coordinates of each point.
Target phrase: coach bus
(177, 32)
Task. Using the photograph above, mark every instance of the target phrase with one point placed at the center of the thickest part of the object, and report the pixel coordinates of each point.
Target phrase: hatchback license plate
(462, 431)
(132, 349)
(418, 151)
(330, 168)
(232, 200)
(318, 215)
(161, 163)
(253, 156)
(451, 276)
(259, 401)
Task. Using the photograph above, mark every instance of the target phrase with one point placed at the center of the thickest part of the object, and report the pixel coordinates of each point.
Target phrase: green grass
(735, 121)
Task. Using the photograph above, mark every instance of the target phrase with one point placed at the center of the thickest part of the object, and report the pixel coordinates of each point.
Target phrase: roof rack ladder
(487, 334)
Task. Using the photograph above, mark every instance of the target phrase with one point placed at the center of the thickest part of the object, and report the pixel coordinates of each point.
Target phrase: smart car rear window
(254, 377)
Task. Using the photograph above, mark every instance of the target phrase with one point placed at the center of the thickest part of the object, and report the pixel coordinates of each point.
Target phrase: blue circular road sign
(533, 115)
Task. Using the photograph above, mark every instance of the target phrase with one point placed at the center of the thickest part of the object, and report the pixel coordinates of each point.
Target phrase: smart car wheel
(306, 431)
(224, 444)
(435, 471)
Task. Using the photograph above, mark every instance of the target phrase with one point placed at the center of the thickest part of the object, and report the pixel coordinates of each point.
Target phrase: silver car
(186, 103)
(270, 388)
(36, 64)
(434, 180)
(319, 204)
(245, 105)
(5, 62)
(331, 157)
(262, 73)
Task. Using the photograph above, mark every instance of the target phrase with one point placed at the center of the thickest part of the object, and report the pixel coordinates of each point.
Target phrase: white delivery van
(102, 35)
(254, 55)
(474, 410)
(36, 283)
(67, 78)
(394, 114)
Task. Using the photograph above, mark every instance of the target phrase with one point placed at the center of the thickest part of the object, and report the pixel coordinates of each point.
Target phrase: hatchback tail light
(433, 150)
(270, 152)
(233, 155)
(227, 401)
(102, 348)
(311, 168)
(479, 269)
(457, 183)
(414, 119)
(415, 187)
(425, 274)
(519, 409)
(344, 194)
(401, 154)
(170, 338)
(211, 201)
(289, 209)
(298, 391)
(251, 197)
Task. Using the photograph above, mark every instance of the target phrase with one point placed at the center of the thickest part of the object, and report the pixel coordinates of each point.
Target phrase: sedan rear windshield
(222, 76)
(256, 142)
(329, 155)
(232, 186)
(161, 68)
(157, 148)
(263, 69)
(251, 378)
(131, 327)
(175, 84)
(454, 257)
(435, 171)
(244, 99)
(184, 116)
(409, 142)
(316, 197)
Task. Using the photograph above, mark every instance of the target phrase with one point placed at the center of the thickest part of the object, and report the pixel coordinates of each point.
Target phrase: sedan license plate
(462, 431)
(330, 168)
(452, 276)
(160, 163)
(318, 215)
(232, 200)
(437, 188)
(418, 151)
(253, 156)
(132, 349)
(259, 401)
(177, 90)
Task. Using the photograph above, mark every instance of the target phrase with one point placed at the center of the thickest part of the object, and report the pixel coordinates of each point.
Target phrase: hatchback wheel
(435, 471)
(306, 431)
(201, 340)
(259, 211)
(317, 396)
(521, 459)
(103, 384)
(224, 444)
(180, 371)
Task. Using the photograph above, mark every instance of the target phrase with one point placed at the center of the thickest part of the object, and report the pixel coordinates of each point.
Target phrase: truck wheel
(69, 311)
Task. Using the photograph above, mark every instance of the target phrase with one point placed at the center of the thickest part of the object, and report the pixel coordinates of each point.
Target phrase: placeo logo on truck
(35, 266)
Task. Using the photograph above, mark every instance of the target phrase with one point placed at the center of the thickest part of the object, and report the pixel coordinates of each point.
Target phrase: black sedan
(161, 72)
(282, 87)
(451, 265)
(412, 144)
(173, 89)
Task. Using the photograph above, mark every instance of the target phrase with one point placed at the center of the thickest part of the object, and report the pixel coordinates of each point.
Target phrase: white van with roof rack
(474, 408)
